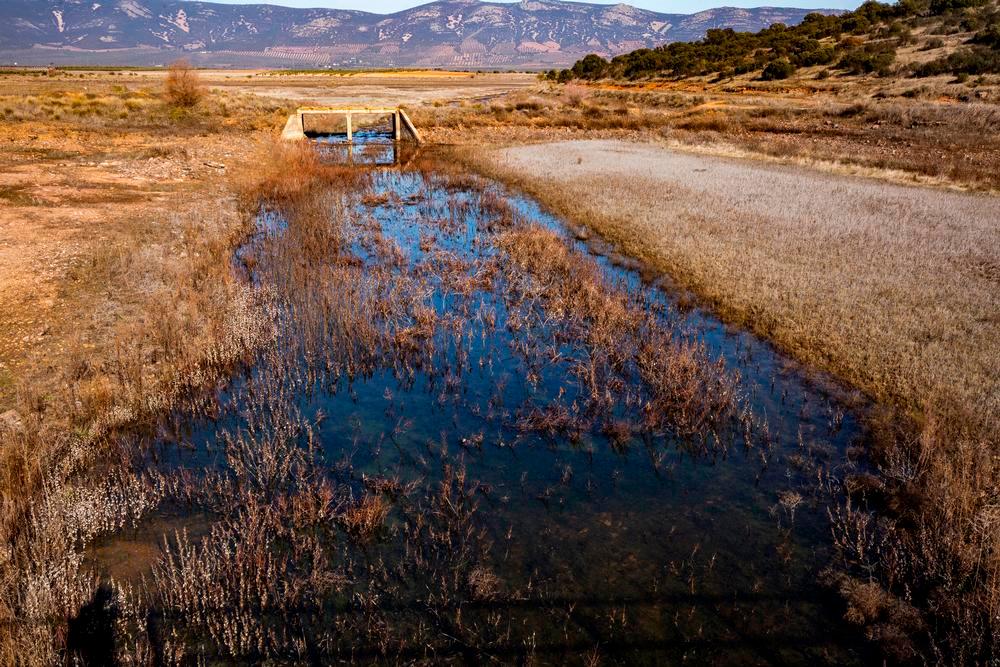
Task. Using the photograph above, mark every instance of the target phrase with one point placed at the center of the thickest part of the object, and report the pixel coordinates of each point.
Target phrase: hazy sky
(669, 6)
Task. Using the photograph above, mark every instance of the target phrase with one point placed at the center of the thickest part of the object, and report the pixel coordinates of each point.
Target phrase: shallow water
(371, 146)
(652, 550)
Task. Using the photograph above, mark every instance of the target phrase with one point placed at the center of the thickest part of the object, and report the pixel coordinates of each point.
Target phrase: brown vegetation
(933, 131)
(904, 311)
(183, 87)
(282, 173)
(292, 536)
(690, 395)
(111, 227)
(893, 311)
(820, 273)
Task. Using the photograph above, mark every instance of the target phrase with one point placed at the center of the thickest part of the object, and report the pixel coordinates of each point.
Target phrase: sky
(668, 6)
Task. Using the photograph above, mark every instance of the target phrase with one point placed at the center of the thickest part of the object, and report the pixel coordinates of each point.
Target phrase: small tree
(591, 67)
(183, 86)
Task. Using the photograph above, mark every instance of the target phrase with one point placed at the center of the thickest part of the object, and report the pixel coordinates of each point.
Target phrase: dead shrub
(183, 87)
(705, 122)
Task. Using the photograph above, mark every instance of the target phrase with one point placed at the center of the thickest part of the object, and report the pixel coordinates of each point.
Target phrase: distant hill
(449, 33)
(867, 40)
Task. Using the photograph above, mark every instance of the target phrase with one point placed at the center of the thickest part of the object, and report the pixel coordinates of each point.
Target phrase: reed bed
(307, 557)
(383, 547)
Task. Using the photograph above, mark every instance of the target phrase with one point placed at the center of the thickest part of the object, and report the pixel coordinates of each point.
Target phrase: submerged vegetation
(436, 391)
(918, 561)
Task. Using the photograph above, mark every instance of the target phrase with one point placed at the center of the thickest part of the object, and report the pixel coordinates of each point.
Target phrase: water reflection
(370, 146)
(628, 547)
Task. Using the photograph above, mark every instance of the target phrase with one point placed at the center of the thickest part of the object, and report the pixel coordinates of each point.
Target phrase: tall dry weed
(183, 87)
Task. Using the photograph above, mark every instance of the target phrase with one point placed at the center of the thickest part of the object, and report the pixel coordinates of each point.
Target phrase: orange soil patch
(66, 196)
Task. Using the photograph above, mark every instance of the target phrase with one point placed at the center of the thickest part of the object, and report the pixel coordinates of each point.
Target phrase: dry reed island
(690, 355)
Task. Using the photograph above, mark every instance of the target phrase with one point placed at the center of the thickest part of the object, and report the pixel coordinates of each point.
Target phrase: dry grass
(284, 174)
(133, 107)
(160, 228)
(893, 289)
(931, 131)
(690, 394)
(154, 359)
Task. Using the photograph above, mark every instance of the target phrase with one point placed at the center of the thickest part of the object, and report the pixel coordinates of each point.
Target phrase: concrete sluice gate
(349, 122)
(357, 135)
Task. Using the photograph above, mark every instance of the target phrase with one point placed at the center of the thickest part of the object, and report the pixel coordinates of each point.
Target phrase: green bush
(989, 36)
(945, 6)
(973, 60)
(868, 60)
(777, 69)
(726, 50)
(590, 67)
(863, 41)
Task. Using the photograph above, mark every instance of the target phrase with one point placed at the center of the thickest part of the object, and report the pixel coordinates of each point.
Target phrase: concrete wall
(293, 129)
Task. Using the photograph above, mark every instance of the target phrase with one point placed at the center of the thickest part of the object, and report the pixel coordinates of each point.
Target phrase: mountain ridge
(444, 33)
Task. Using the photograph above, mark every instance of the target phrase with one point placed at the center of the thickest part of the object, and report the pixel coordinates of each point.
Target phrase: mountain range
(467, 34)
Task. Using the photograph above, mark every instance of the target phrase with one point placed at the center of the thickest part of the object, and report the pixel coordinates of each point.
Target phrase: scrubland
(921, 133)
(98, 192)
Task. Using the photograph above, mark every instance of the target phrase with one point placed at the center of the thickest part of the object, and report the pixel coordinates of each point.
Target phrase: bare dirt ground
(68, 201)
(73, 194)
(379, 89)
(409, 88)
(894, 288)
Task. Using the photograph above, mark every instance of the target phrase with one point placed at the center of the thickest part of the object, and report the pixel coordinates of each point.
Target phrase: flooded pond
(478, 435)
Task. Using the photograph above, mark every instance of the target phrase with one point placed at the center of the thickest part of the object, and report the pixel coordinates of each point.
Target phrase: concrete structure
(295, 127)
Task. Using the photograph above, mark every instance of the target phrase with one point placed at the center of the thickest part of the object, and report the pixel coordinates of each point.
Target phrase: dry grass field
(116, 299)
(99, 181)
(409, 88)
(929, 131)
